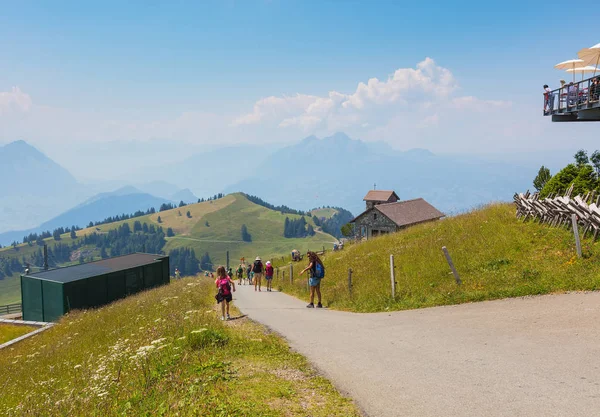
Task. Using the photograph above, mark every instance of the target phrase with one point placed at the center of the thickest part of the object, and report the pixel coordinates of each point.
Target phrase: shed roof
(91, 269)
(406, 213)
(380, 195)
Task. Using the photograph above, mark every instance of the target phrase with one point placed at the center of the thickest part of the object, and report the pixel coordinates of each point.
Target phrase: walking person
(224, 285)
(177, 273)
(249, 274)
(257, 269)
(240, 274)
(269, 276)
(317, 272)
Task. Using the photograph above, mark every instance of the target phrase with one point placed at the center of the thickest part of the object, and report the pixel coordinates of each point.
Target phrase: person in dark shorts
(225, 285)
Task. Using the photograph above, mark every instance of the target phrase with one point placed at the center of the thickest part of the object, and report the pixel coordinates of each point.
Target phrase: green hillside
(223, 232)
(163, 352)
(225, 218)
(496, 256)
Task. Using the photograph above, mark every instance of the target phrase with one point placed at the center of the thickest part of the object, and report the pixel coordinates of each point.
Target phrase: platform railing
(10, 309)
(572, 97)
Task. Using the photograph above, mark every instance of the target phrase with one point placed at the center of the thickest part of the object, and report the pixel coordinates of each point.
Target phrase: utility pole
(45, 257)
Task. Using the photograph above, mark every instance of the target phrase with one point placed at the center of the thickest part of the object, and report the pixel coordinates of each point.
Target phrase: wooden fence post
(576, 233)
(350, 281)
(454, 271)
(291, 273)
(393, 276)
(278, 274)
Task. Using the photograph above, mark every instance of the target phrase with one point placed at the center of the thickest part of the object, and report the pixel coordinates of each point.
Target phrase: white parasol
(583, 70)
(571, 64)
(590, 56)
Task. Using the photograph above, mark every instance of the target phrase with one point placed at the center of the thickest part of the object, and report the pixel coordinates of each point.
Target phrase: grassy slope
(496, 255)
(99, 363)
(223, 233)
(225, 217)
(10, 331)
(324, 212)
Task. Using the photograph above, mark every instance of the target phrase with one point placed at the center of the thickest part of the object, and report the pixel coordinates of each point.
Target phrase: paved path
(537, 356)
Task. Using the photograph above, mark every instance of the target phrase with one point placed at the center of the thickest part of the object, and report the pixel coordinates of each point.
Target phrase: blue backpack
(319, 271)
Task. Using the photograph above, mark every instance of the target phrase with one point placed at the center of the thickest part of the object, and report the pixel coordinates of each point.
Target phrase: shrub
(199, 339)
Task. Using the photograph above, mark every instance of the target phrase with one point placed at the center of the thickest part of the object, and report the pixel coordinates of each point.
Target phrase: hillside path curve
(534, 356)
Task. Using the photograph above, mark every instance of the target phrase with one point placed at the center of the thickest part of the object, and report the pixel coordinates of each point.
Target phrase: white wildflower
(198, 331)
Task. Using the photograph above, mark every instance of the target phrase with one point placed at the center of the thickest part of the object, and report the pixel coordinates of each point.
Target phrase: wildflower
(198, 331)
(77, 367)
(157, 341)
(181, 338)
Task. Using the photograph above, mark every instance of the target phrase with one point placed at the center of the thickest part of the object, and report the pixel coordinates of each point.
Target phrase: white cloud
(14, 101)
(406, 87)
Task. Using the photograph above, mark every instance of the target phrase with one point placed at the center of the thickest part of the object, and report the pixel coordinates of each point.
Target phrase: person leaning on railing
(595, 89)
(548, 99)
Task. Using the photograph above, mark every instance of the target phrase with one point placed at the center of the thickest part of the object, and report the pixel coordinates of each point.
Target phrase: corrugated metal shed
(47, 295)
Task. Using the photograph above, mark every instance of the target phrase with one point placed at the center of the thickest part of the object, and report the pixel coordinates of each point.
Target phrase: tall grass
(496, 256)
(162, 352)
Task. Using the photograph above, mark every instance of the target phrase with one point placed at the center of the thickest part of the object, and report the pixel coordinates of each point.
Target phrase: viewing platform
(577, 101)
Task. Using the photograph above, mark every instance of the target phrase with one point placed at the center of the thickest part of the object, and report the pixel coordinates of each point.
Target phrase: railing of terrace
(575, 96)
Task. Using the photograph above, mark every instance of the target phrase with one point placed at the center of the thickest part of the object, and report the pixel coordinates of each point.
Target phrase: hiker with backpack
(240, 274)
(317, 273)
(269, 276)
(224, 286)
(257, 269)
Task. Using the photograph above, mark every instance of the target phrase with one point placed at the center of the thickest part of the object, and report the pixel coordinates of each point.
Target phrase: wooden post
(291, 273)
(283, 275)
(350, 281)
(576, 233)
(393, 276)
(277, 273)
(228, 260)
(449, 259)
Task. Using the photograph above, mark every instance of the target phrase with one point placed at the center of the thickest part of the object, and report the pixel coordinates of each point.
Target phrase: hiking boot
(223, 318)
(311, 305)
(319, 305)
(228, 317)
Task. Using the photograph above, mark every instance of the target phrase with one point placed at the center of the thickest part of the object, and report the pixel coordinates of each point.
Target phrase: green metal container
(47, 295)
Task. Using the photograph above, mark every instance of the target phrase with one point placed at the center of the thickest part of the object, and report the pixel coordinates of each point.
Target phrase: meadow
(9, 332)
(496, 255)
(162, 352)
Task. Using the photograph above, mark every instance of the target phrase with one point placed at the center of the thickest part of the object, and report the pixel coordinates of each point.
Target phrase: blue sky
(123, 64)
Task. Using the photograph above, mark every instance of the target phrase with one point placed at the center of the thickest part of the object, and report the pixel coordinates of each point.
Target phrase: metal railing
(10, 309)
(572, 97)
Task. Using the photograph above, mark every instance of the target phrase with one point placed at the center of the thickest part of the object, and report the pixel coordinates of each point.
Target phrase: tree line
(282, 209)
(583, 174)
(297, 228)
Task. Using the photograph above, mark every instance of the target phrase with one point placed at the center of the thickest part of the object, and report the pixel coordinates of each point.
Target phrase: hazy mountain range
(38, 194)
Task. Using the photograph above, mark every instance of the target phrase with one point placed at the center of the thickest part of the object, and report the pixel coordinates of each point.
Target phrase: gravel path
(537, 356)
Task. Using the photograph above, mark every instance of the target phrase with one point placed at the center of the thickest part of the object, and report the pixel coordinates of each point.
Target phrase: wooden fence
(557, 211)
(10, 309)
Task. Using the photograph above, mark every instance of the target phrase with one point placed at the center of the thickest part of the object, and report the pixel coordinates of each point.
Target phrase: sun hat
(268, 262)
(257, 258)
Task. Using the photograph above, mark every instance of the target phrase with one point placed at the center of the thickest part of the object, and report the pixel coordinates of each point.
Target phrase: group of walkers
(254, 272)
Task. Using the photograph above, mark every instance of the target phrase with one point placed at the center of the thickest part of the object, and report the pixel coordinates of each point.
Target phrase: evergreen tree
(137, 226)
(206, 262)
(170, 232)
(103, 253)
(159, 219)
(246, 237)
(73, 234)
(310, 230)
(145, 228)
(181, 203)
(542, 178)
(595, 160)
(581, 158)
(56, 234)
(188, 214)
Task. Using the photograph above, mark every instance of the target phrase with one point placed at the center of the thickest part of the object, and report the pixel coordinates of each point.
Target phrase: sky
(463, 76)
